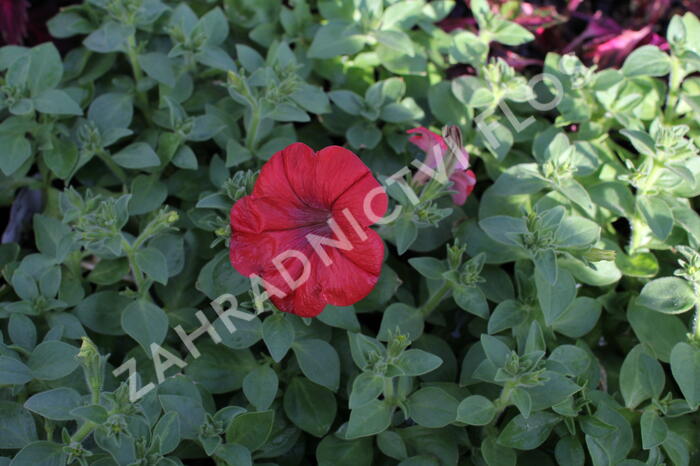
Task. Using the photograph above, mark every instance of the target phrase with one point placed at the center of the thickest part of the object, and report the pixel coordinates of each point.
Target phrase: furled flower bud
(93, 364)
(596, 255)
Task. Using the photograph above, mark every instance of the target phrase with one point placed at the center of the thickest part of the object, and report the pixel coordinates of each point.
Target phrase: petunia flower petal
(463, 185)
(286, 231)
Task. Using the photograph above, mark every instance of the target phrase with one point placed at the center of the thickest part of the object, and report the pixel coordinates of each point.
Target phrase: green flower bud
(93, 364)
(597, 255)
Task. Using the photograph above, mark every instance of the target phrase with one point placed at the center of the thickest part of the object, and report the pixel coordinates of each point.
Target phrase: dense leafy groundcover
(547, 320)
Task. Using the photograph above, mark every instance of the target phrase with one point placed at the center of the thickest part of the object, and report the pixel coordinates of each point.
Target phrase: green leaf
(670, 295)
(654, 430)
(405, 234)
(614, 196)
(476, 410)
(158, 66)
(395, 40)
(647, 60)
(364, 349)
(251, 429)
(657, 215)
(523, 178)
(288, 112)
(641, 377)
(94, 413)
(363, 135)
(111, 110)
(414, 362)
(310, 407)
(676, 448)
(507, 315)
(399, 317)
(42, 453)
(495, 454)
(312, 99)
(147, 194)
(215, 25)
(235, 454)
(432, 407)
(340, 317)
(555, 298)
(278, 335)
(56, 102)
(24, 285)
(569, 451)
(16, 151)
(392, 445)
(145, 322)
(62, 157)
(641, 141)
(577, 233)
(530, 433)
(472, 91)
(249, 58)
(496, 351)
(54, 404)
(509, 33)
(13, 371)
(260, 387)
(167, 431)
(332, 451)
(396, 113)
(102, 311)
(110, 37)
(472, 300)
(369, 419)
(366, 388)
(218, 277)
(573, 190)
(659, 332)
(45, 68)
(556, 389)
(318, 361)
(52, 360)
(429, 267)
(68, 24)
(685, 366)
(504, 229)
(444, 105)
(136, 156)
(153, 263)
(17, 427)
(467, 48)
(336, 38)
(22, 330)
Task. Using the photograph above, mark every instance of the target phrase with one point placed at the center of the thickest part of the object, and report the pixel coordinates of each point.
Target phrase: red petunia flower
(305, 232)
(13, 20)
(435, 147)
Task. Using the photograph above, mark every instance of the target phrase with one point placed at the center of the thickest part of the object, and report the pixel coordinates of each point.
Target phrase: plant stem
(116, 169)
(253, 130)
(674, 83)
(95, 395)
(640, 229)
(85, 430)
(696, 325)
(389, 389)
(48, 428)
(501, 403)
(135, 269)
(435, 299)
(141, 98)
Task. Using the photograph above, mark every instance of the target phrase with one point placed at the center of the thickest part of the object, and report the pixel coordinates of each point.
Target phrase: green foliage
(551, 319)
